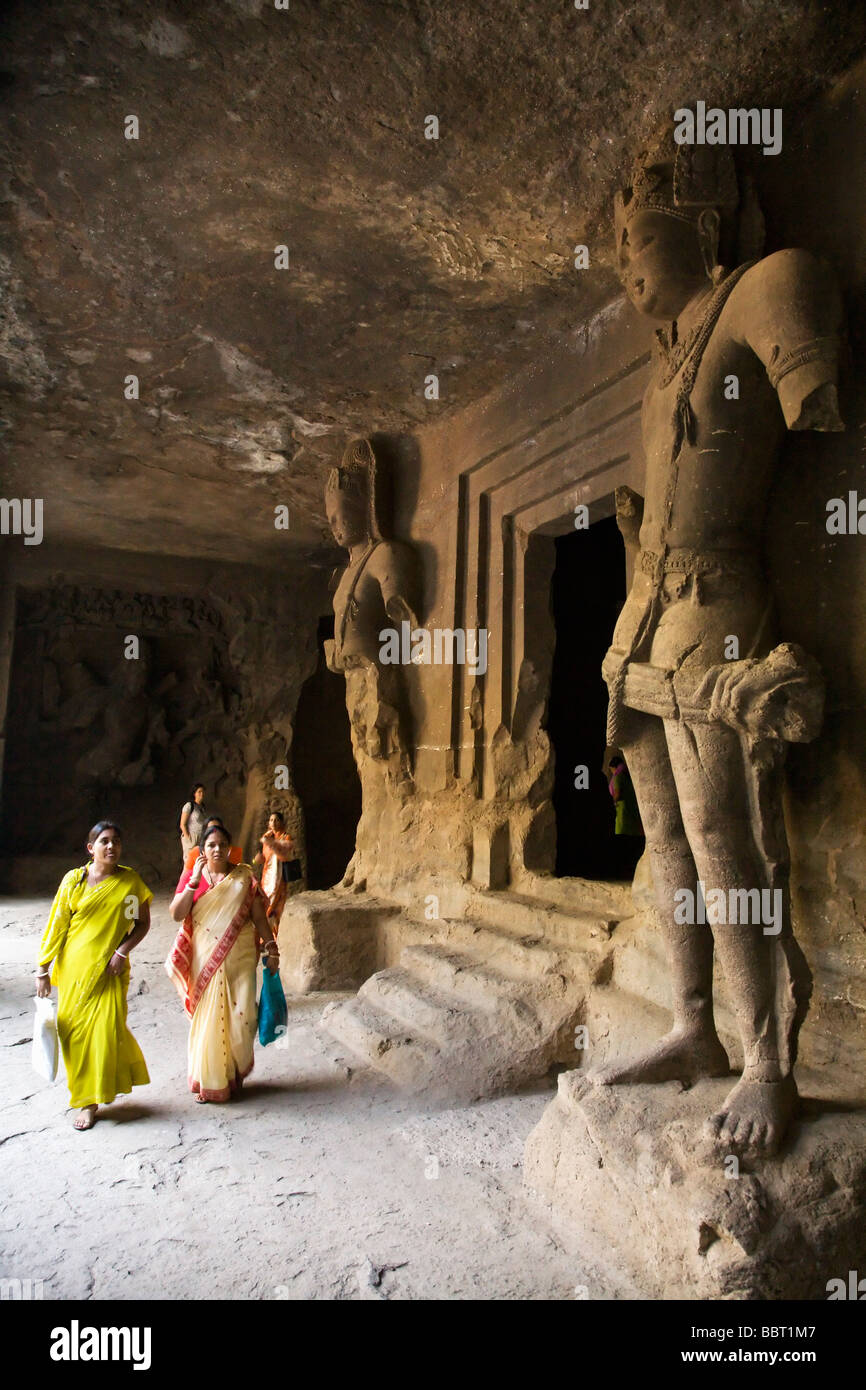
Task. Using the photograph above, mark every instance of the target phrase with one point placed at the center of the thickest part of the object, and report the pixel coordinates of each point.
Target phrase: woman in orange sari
(276, 849)
(213, 965)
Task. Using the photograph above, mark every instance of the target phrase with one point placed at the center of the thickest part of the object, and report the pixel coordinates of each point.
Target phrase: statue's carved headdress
(360, 476)
(682, 181)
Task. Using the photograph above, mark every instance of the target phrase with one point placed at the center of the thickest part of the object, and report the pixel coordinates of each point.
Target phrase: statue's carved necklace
(352, 609)
(673, 352)
(689, 354)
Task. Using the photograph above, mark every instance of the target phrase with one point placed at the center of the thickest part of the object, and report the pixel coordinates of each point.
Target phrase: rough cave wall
(482, 759)
(223, 652)
(813, 198)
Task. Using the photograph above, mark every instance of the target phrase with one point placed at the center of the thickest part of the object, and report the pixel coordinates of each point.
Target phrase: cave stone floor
(321, 1183)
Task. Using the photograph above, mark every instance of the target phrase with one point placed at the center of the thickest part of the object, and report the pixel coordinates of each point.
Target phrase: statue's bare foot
(679, 1056)
(86, 1117)
(755, 1116)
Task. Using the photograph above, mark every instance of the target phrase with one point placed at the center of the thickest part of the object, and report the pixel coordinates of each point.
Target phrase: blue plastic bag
(273, 1013)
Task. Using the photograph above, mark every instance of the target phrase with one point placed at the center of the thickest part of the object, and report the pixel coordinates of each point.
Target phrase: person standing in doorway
(630, 842)
(625, 802)
(193, 819)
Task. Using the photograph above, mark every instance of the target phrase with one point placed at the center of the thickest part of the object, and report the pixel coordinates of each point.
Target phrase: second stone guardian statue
(376, 590)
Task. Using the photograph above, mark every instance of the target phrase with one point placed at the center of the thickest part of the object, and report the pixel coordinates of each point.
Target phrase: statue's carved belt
(638, 685)
(684, 561)
(650, 689)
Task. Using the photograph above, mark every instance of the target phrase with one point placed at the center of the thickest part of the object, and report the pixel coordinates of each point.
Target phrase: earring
(714, 272)
(706, 257)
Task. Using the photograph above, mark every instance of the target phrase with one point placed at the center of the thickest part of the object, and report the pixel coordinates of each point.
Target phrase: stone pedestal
(334, 940)
(629, 1165)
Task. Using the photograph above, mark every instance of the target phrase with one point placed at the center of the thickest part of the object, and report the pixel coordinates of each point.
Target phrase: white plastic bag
(45, 1038)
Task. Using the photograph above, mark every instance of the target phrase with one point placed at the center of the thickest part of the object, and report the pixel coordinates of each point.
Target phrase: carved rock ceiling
(407, 256)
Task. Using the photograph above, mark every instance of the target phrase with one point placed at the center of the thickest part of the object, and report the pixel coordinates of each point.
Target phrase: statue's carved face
(347, 517)
(660, 263)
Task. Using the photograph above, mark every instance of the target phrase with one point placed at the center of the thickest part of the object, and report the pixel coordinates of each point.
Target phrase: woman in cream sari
(213, 965)
(100, 913)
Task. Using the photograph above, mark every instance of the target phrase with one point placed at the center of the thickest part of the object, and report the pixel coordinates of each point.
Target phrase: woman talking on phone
(213, 965)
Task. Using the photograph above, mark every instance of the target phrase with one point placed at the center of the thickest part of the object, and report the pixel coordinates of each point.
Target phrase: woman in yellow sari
(99, 915)
(213, 965)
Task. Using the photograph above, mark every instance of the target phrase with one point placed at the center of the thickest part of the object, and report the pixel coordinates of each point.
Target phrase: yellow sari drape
(213, 963)
(85, 927)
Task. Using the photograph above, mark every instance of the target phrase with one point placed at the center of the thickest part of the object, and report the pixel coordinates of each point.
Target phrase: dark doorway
(587, 593)
(323, 771)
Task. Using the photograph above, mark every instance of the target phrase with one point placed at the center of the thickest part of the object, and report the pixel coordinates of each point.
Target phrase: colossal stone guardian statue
(377, 590)
(751, 347)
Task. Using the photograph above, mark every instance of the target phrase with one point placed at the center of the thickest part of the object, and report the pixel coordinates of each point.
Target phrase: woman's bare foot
(200, 1100)
(86, 1117)
(679, 1056)
(755, 1116)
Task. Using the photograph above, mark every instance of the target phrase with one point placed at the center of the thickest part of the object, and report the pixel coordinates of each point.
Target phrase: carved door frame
(512, 504)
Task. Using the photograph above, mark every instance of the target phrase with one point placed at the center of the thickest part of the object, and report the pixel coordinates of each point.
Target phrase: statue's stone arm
(393, 565)
(790, 314)
(629, 517)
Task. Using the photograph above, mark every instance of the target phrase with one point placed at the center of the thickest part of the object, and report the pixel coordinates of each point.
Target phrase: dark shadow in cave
(323, 770)
(587, 592)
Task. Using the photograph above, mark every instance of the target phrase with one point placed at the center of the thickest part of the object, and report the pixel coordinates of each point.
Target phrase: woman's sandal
(86, 1118)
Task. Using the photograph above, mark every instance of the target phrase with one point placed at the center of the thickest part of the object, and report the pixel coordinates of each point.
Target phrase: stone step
(525, 957)
(450, 1024)
(520, 958)
(416, 1006)
(466, 979)
(480, 1053)
(530, 918)
(377, 1038)
(608, 899)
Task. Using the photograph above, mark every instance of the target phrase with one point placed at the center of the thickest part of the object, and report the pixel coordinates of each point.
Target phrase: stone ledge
(628, 1164)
